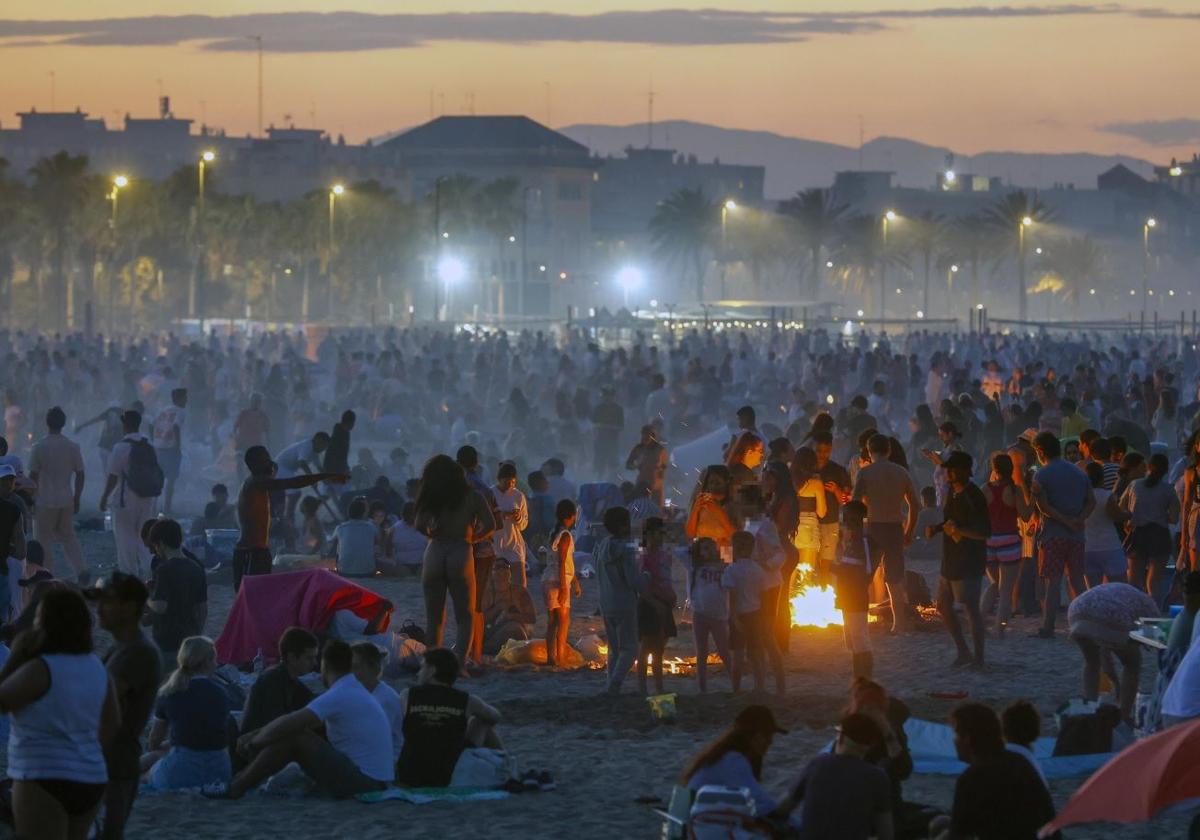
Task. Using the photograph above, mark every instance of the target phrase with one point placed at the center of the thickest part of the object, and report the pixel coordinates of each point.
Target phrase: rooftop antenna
(548, 120)
(257, 39)
(52, 92)
(650, 115)
(431, 113)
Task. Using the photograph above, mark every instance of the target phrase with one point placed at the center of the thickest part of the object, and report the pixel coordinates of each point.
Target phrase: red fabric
(1139, 782)
(266, 605)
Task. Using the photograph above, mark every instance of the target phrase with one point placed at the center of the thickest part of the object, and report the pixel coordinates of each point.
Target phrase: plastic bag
(478, 767)
(533, 652)
(592, 648)
(662, 706)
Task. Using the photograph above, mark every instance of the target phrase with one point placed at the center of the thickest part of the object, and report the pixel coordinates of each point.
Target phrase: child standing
(559, 582)
(852, 577)
(620, 582)
(710, 605)
(769, 554)
(656, 619)
(747, 580)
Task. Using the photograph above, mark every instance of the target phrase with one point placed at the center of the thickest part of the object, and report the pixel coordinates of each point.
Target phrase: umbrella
(1139, 782)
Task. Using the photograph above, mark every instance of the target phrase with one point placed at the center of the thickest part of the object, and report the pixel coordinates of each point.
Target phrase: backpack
(143, 475)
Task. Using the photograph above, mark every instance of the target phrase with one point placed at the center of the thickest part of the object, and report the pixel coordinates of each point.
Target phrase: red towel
(266, 605)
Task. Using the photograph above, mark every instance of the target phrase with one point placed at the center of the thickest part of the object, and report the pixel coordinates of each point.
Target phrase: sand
(605, 754)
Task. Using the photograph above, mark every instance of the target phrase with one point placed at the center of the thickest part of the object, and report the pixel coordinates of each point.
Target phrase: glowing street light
(630, 278)
(1146, 228)
(829, 263)
(731, 204)
(338, 189)
(890, 215)
(951, 176)
(512, 238)
(118, 183)
(1176, 171)
(1027, 221)
(451, 270)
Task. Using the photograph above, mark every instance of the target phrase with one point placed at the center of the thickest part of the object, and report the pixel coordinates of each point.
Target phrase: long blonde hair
(196, 654)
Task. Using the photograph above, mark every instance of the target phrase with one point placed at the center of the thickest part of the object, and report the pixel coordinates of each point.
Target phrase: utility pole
(650, 116)
(259, 41)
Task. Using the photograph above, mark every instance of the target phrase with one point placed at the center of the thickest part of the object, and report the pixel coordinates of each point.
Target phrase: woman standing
(708, 516)
(810, 505)
(1152, 508)
(194, 712)
(514, 518)
(64, 711)
(783, 508)
(1007, 504)
(454, 517)
(1190, 554)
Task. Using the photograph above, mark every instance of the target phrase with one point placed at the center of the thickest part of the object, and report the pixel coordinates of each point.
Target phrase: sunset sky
(1105, 77)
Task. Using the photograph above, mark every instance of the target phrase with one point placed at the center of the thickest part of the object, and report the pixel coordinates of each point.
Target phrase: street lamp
(629, 278)
(335, 192)
(726, 208)
(888, 217)
(206, 157)
(1026, 221)
(1149, 223)
(119, 183)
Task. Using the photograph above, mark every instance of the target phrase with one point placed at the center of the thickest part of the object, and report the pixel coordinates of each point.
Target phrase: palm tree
(12, 223)
(60, 188)
(1078, 261)
(863, 255)
(1009, 218)
(817, 219)
(925, 234)
(681, 228)
(499, 217)
(969, 241)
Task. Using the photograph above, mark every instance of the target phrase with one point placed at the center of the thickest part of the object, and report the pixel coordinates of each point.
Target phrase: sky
(1023, 76)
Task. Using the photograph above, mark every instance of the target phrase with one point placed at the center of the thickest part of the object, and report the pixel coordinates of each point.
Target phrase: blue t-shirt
(1067, 488)
(197, 715)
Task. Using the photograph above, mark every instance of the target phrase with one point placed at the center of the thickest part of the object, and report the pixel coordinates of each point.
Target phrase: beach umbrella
(1140, 782)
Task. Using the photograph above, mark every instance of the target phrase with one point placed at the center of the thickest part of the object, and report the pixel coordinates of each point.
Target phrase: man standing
(133, 664)
(135, 465)
(837, 490)
(168, 443)
(891, 498)
(965, 531)
(608, 418)
(55, 460)
(483, 550)
(179, 603)
(12, 536)
(252, 554)
(300, 458)
(649, 459)
(1063, 497)
(337, 454)
(747, 447)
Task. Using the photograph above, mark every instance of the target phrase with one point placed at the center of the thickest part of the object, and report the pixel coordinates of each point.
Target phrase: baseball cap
(7, 471)
(758, 719)
(119, 586)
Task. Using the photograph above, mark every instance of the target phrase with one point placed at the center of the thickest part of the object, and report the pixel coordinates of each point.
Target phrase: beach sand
(605, 754)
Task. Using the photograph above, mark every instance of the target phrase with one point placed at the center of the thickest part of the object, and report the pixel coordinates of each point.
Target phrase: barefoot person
(559, 582)
(252, 555)
(965, 532)
(891, 498)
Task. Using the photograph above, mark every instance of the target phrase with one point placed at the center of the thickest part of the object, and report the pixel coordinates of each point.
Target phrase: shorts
(808, 533)
(745, 631)
(169, 460)
(886, 542)
(556, 595)
(339, 777)
(76, 798)
(1058, 554)
(483, 576)
(1110, 564)
(965, 591)
(1004, 548)
(851, 588)
(250, 561)
(830, 532)
(656, 620)
(181, 769)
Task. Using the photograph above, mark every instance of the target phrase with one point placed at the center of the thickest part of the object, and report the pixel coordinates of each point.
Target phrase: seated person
(225, 514)
(841, 795)
(1022, 725)
(408, 544)
(508, 611)
(209, 520)
(278, 690)
(440, 721)
(353, 542)
(377, 515)
(368, 667)
(312, 532)
(736, 758)
(999, 794)
(194, 712)
(355, 756)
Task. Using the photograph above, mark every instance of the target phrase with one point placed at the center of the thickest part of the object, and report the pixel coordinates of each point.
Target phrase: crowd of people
(1019, 465)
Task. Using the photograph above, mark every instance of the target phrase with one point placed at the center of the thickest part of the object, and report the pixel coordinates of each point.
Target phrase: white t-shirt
(289, 460)
(357, 727)
(1182, 697)
(709, 595)
(1098, 530)
(747, 580)
(389, 701)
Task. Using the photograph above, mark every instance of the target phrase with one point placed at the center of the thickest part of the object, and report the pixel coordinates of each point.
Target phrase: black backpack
(143, 475)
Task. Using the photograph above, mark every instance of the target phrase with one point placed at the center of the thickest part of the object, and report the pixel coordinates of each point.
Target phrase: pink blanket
(266, 605)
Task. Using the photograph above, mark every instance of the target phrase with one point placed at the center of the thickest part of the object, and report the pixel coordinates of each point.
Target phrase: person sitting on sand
(440, 721)
(1022, 725)
(355, 756)
(998, 796)
(278, 690)
(368, 667)
(736, 758)
(353, 542)
(841, 795)
(194, 711)
(408, 544)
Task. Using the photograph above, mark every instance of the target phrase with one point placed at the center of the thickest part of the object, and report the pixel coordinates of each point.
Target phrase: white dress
(509, 543)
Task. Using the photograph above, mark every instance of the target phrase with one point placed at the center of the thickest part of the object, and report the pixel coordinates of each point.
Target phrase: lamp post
(206, 157)
(888, 217)
(1146, 227)
(119, 183)
(335, 192)
(1026, 221)
(726, 208)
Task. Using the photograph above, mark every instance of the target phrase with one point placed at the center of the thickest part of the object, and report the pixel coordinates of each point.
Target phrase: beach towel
(424, 796)
(266, 605)
(932, 748)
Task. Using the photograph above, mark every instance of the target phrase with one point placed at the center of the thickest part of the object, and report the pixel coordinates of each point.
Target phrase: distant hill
(794, 163)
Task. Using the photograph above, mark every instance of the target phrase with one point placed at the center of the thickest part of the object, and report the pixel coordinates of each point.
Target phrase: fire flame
(812, 606)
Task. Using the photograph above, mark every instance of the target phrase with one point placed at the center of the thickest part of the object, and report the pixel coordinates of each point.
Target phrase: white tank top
(57, 736)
